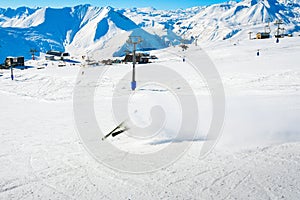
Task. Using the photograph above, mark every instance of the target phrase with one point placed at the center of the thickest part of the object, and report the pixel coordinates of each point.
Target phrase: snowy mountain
(160, 22)
(105, 31)
(79, 30)
(22, 17)
(237, 19)
(215, 22)
(102, 32)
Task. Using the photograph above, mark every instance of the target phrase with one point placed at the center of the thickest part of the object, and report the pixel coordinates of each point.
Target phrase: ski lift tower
(267, 27)
(196, 40)
(33, 51)
(250, 33)
(134, 40)
(278, 23)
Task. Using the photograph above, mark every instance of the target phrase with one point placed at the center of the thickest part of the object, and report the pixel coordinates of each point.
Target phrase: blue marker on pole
(133, 85)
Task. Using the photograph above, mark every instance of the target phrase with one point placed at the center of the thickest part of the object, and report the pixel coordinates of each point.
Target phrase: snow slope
(257, 156)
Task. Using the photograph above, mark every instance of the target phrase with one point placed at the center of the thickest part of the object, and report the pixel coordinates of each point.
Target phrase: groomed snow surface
(256, 157)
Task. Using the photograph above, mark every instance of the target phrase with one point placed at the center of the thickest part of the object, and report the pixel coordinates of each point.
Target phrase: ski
(114, 133)
(119, 132)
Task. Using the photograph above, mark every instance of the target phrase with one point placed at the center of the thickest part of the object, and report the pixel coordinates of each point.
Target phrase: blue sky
(159, 4)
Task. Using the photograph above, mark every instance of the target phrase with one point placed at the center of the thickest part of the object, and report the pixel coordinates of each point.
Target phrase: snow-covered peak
(86, 28)
(229, 19)
(22, 17)
(12, 13)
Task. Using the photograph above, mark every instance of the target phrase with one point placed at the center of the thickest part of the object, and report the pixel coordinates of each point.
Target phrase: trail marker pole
(11, 73)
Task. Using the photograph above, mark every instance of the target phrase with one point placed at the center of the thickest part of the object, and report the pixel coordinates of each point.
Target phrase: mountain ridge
(102, 31)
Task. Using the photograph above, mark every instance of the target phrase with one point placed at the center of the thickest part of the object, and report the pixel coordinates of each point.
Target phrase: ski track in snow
(42, 156)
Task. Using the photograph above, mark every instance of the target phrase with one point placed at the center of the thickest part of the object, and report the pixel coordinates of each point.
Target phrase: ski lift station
(55, 55)
(141, 58)
(262, 35)
(14, 61)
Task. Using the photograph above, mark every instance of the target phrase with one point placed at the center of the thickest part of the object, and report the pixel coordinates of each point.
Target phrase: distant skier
(183, 59)
(257, 53)
(277, 40)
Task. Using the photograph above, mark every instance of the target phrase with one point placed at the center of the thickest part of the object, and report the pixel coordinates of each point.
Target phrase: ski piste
(115, 131)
